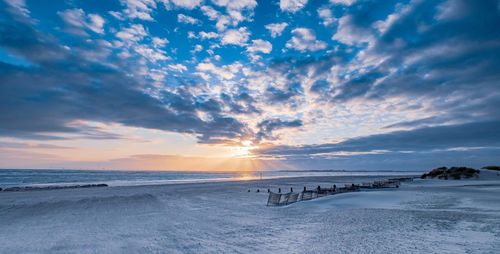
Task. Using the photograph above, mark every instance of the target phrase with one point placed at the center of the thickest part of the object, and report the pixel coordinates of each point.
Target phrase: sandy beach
(423, 216)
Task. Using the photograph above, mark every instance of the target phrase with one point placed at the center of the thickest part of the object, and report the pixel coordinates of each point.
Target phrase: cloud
(181, 18)
(224, 72)
(240, 102)
(222, 20)
(408, 60)
(482, 135)
(19, 5)
(349, 33)
(450, 10)
(96, 23)
(77, 21)
(210, 12)
(136, 32)
(235, 37)
(236, 5)
(342, 2)
(187, 4)
(66, 87)
(139, 9)
(117, 15)
(235, 9)
(292, 5)
(30, 145)
(208, 35)
(304, 39)
(282, 96)
(261, 46)
(276, 29)
(197, 48)
(267, 127)
(159, 42)
(152, 54)
(326, 15)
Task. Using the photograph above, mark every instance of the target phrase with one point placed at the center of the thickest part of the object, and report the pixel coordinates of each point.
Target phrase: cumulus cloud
(235, 37)
(304, 39)
(140, 9)
(136, 32)
(276, 29)
(235, 9)
(77, 21)
(222, 21)
(96, 23)
(152, 54)
(326, 15)
(225, 72)
(349, 33)
(292, 5)
(159, 42)
(236, 5)
(260, 46)
(177, 67)
(208, 35)
(187, 4)
(210, 12)
(181, 18)
(342, 2)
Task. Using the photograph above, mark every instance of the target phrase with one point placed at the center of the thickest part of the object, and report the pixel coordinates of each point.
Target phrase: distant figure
(291, 189)
(258, 190)
(334, 187)
(319, 188)
(279, 190)
(248, 190)
(268, 190)
(305, 188)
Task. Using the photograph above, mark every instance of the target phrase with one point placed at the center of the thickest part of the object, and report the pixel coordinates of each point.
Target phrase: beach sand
(423, 216)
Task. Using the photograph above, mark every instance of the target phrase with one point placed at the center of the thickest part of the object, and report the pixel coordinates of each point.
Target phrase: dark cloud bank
(58, 86)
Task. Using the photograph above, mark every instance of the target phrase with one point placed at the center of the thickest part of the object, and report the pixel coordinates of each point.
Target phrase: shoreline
(230, 177)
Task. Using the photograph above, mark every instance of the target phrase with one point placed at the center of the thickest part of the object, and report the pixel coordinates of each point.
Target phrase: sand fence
(283, 199)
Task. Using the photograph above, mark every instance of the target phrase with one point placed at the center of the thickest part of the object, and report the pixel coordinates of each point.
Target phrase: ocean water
(45, 177)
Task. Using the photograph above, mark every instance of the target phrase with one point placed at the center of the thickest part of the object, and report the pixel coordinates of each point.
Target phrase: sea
(57, 177)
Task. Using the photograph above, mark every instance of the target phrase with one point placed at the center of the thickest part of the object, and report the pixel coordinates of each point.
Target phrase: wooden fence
(282, 199)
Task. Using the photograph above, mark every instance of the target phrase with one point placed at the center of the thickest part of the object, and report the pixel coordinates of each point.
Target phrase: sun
(246, 143)
(245, 149)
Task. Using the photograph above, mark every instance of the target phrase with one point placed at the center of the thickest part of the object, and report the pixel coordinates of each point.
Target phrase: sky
(249, 85)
